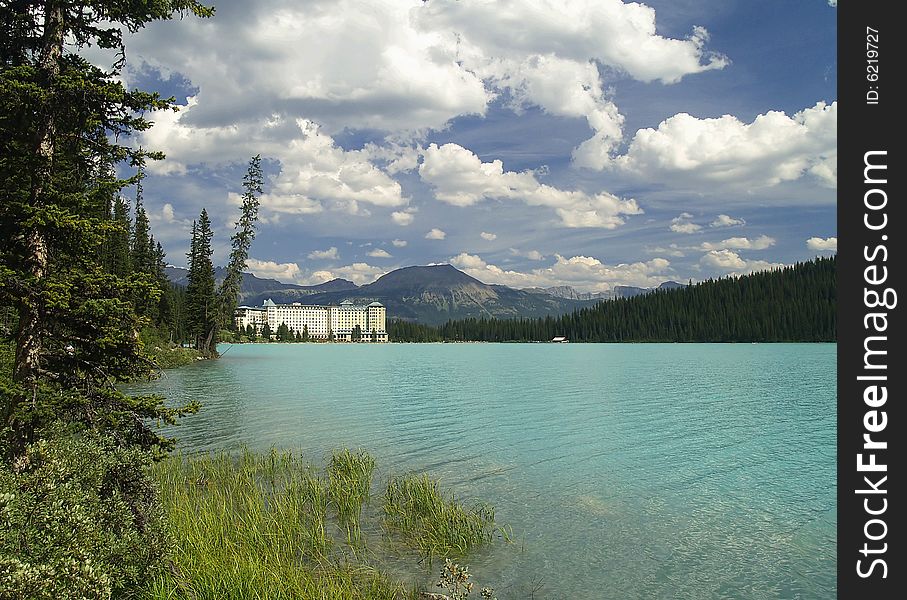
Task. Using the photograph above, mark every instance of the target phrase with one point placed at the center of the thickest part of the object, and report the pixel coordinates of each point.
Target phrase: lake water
(625, 470)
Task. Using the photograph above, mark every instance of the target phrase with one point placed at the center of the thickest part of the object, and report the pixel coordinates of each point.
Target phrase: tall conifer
(202, 306)
(241, 241)
(61, 119)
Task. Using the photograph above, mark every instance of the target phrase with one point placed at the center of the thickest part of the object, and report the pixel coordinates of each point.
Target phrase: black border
(867, 127)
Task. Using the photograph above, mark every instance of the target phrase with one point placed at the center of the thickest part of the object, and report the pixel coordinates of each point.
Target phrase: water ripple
(626, 471)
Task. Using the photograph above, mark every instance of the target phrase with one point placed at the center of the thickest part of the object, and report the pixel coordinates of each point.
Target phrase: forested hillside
(793, 304)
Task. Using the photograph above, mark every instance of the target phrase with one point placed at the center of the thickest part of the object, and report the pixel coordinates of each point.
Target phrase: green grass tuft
(437, 527)
(265, 526)
(253, 527)
(350, 479)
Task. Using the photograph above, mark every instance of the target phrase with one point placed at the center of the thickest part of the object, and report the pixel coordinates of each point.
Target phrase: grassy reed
(253, 527)
(437, 527)
(259, 526)
(350, 480)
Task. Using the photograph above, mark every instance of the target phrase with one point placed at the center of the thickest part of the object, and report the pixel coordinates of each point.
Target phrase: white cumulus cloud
(530, 254)
(329, 254)
(733, 264)
(683, 224)
(167, 213)
(359, 273)
(399, 243)
(402, 217)
(435, 234)
(366, 65)
(740, 243)
(285, 272)
(379, 253)
(671, 250)
(686, 151)
(617, 34)
(488, 236)
(822, 244)
(459, 177)
(584, 273)
(726, 221)
(315, 172)
(379, 64)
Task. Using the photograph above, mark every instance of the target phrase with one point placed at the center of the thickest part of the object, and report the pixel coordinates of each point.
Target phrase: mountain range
(427, 294)
(618, 291)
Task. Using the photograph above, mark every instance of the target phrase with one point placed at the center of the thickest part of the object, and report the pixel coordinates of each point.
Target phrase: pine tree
(64, 270)
(795, 303)
(141, 245)
(201, 309)
(241, 241)
(166, 310)
(119, 252)
(61, 120)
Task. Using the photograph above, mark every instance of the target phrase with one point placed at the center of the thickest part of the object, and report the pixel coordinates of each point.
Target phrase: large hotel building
(321, 322)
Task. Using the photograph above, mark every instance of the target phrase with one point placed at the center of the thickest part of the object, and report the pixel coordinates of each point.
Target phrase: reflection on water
(626, 471)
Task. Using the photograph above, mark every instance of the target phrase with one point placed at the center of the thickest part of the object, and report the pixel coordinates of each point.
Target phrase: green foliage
(119, 257)
(173, 321)
(793, 304)
(78, 516)
(64, 129)
(201, 299)
(142, 258)
(241, 241)
(454, 580)
(350, 478)
(209, 309)
(266, 332)
(437, 527)
(408, 331)
(283, 333)
(255, 526)
(164, 354)
(78, 519)
(258, 525)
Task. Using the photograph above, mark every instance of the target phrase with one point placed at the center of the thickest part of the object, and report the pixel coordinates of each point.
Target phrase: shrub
(78, 519)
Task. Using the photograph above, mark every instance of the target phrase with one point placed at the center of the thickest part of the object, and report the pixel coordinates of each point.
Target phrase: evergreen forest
(792, 304)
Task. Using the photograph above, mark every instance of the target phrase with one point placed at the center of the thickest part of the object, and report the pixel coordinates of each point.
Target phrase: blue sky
(590, 143)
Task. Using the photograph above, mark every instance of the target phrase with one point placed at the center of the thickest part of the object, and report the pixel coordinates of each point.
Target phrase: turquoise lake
(624, 470)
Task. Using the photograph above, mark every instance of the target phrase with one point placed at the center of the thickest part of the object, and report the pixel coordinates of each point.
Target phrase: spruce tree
(241, 241)
(61, 119)
(141, 245)
(201, 300)
(65, 423)
(119, 261)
